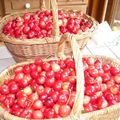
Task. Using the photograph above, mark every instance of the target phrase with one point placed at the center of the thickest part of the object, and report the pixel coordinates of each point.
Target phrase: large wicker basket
(110, 113)
(26, 49)
(79, 95)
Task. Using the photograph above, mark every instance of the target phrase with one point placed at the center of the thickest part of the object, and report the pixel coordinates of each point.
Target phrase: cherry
(89, 90)
(14, 88)
(58, 85)
(4, 89)
(37, 105)
(63, 97)
(40, 80)
(37, 114)
(22, 102)
(64, 110)
(49, 113)
(102, 102)
(49, 102)
(88, 107)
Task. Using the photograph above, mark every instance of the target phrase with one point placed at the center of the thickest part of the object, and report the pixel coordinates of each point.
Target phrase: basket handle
(43, 6)
(55, 17)
(54, 7)
(77, 55)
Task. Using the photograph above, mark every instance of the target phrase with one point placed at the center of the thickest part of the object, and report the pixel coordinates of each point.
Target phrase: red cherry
(114, 89)
(117, 79)
(58, 85)
(105, 77)
(90, 80)
(42, 24)
(106, 67)
(102, 103)
(14, 88)
(49, 102)
(18, 69)
(37, 105)
(34, 96)
(26, 114)
(109, 96)
(89, 90)
(50, 82)
(40, 90)
(19, 76)
(34, 74)
(49, 113)
(26, 69)
(22, 102)
(88, 107)
(37, 114)
(26, 29)
(32, 67)
(38, 62)
(26, 17)
(114, 70)
(15, 107)
(4, 89)
(46, 66)
(9, 101)
(2, 98)
(64, 110)
(40, 80)
(54, 95)
(63, 97)
(31, 34)
(50, 74)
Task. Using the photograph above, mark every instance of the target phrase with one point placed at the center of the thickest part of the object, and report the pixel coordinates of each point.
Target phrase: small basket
(7, 73)
(27, 49)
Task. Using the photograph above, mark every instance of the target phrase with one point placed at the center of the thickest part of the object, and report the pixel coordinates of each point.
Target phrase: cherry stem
(69, 97)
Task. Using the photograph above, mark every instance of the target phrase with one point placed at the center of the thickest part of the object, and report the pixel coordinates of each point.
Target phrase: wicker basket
(110, 113)
(79, 95)
(26, 49)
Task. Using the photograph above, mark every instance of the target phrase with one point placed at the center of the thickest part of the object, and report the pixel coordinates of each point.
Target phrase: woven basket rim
(13, 40)
(90, 114)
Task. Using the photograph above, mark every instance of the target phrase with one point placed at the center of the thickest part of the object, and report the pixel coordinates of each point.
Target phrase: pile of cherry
(47, 89)
(40, 24)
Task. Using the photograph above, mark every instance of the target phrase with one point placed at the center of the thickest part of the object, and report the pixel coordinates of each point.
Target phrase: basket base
(30, 52)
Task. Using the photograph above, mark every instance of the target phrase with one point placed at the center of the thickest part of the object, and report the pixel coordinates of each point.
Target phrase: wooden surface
(117, 17)
(20, 5)
(9, 6)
